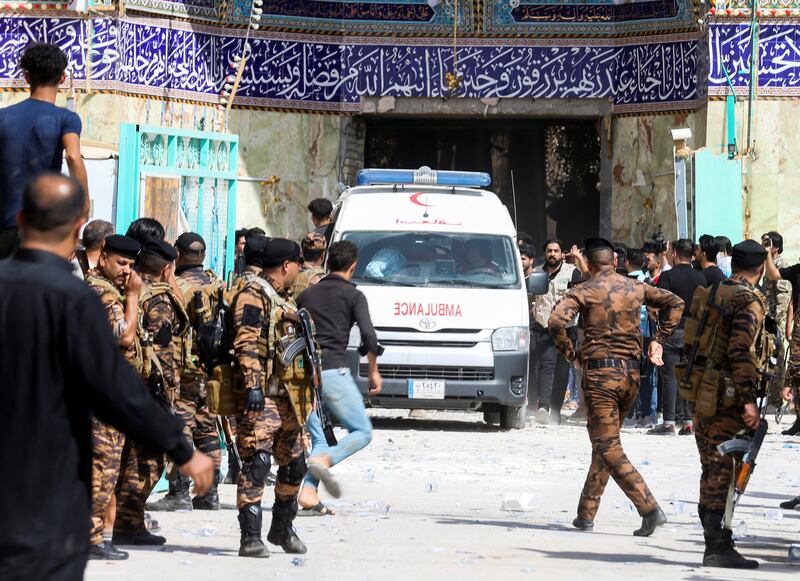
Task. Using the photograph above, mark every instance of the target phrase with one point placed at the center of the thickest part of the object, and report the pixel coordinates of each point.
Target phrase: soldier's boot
(106, 551)
(281, 532)
(251, 544)
(583, 524)
(791, 504)
(209, 500)
(177, 498)
(794, 429)
(650, 522)
(720, 551)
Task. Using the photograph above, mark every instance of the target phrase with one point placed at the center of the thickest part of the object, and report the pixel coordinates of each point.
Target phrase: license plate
(425, 389)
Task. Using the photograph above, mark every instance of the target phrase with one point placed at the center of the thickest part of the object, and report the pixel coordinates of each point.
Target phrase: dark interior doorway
(555, 165)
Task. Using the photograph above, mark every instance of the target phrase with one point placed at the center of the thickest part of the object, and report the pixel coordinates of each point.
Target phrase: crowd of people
(680, 266)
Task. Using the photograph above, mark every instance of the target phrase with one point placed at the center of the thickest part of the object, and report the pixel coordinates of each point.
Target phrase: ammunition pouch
(225, 393)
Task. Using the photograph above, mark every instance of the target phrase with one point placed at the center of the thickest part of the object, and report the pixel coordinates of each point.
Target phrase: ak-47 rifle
(224, 427)
(306, 328)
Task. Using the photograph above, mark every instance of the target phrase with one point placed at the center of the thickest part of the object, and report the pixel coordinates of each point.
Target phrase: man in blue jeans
(336, 305)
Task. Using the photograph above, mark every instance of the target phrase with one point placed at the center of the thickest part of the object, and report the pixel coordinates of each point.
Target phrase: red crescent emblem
(415, 200)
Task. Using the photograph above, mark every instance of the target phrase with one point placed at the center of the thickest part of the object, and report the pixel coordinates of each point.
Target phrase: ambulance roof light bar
(423, 176)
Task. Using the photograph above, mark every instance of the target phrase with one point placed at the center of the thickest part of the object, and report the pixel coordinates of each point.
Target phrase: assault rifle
(224, 427)
(306, 328)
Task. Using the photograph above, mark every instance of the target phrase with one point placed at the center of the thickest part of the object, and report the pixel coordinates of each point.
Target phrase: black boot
(281, 531)
(141, 538)
(209, 500)
(251, 544)
(106, 551)
(719, 546)
(177, 498)
(583, 524)
(794, 429)
(791, 504)
(650, 522)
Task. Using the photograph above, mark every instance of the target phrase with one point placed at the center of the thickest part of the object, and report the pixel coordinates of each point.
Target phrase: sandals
(318, 510)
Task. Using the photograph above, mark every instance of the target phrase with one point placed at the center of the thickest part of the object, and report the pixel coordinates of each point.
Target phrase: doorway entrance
(549, 167)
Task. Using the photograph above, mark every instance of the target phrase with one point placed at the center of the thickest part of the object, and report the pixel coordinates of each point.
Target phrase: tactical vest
(307, 277)
(136, 355)
(292, 380)
(707, 331)
(199, 302)
(180, 329)
(543, 305)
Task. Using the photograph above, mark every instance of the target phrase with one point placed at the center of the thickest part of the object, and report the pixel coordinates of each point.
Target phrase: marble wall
(642, 173)
(300, 149)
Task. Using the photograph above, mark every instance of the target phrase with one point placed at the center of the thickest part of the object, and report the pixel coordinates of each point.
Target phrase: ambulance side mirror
(538, 283)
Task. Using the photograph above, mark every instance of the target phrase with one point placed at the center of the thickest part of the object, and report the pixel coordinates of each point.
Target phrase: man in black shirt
(706, 256)
(60, 365)
(336, 305)
(682, 280)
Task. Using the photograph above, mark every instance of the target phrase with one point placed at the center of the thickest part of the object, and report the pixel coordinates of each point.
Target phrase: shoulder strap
(106, 285)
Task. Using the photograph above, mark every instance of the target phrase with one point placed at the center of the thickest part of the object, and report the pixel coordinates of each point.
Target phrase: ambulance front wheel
(512, 417)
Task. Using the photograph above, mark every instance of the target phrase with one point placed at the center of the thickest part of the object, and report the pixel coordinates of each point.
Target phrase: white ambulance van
(440, 267)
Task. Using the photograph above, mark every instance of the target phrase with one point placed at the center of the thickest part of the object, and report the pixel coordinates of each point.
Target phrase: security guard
(743, 322)
(272, 421)
(200, 293)
(118, 286)
(610, 305)
(165, 323)
(313, 247)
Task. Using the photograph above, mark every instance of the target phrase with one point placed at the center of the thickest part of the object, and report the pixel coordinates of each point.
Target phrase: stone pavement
(424, 502)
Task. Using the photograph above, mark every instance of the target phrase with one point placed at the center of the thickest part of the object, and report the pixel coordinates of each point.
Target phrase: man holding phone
(335, 306)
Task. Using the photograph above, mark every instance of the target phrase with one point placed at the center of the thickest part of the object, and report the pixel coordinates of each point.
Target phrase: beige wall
(774, 173)
(302, 150)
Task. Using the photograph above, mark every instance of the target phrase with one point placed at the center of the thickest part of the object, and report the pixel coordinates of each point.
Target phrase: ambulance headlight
(510, 339)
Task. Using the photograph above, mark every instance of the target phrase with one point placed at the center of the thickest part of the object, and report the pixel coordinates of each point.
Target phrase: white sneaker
(542, 416)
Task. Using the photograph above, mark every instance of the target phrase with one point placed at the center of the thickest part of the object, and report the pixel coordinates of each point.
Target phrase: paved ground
(424, 502)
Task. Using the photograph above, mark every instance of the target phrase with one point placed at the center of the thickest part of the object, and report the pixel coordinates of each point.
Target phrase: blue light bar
(423, 176)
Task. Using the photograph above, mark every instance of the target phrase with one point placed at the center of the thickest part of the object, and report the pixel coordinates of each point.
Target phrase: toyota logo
(427, 324)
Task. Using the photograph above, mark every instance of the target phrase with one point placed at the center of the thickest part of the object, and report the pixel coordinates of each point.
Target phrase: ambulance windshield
(435, 260)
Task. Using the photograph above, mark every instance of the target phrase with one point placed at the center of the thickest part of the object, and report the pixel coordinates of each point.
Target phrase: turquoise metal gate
(186, 180)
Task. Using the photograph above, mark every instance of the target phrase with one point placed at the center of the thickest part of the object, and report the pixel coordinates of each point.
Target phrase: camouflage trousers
(107, 444)
(140, 472)
(199, 424)
(609, 395)
(717, 470)
(277, 432)
(793, 368)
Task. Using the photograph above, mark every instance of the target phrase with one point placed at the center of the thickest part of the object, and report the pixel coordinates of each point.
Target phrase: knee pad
(294, 472)
(257, 468)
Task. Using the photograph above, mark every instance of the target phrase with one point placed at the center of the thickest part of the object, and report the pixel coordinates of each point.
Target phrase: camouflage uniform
(257, 311)
(744, 319)
(107, 442)
(276, 430)
(200, 424)
(309, 276)
(164, 321)
(610, 307)
(778, 294)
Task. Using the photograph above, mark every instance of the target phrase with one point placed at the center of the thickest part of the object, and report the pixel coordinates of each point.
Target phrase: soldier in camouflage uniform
(744, 324)
(200, 424)
(270, 423)
(609, 305)
(164, 321)
(313, 247)
(118, 287)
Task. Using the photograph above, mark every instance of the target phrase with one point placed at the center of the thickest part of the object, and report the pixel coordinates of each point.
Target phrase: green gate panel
(186, 179)
(718, 196)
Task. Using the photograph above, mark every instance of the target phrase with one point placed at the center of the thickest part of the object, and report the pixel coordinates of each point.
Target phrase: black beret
(749, 253)
(185, 241)
(254, 249)
(597, 244)
(125, 246)
(161, 249)
(278, 251)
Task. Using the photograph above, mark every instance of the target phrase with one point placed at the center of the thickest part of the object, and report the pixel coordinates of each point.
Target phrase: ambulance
(440, 267)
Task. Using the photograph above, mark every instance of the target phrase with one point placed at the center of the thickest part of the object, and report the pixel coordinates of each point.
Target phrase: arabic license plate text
(425, 389)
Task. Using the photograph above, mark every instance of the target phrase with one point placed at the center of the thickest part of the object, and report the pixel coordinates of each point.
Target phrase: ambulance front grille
(389, 371)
